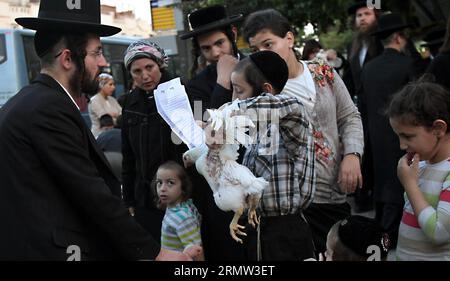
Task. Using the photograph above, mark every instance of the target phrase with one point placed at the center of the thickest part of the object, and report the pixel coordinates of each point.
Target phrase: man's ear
(439, 127)
(65, 59)
(268, 88)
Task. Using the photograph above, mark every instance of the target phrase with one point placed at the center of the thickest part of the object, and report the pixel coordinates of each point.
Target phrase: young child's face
(241, 88)
(415, 139)
(168, 187)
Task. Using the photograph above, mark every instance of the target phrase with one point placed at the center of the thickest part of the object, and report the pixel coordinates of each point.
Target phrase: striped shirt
(181, 227)
(428, 236)
(283, 153)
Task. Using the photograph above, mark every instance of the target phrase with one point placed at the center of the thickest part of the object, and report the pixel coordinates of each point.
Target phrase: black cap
(273, 67)
(69, 16)
(358, 233)
(208, 19)
(355, 6)
(434, 36)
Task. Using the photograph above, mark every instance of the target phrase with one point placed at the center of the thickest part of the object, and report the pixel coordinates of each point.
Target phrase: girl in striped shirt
(419, 115)
(181, 224)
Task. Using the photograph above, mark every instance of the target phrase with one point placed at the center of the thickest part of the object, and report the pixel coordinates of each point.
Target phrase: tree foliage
(331, 22)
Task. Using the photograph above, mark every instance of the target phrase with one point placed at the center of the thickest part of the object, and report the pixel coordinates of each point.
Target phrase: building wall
(11, 9)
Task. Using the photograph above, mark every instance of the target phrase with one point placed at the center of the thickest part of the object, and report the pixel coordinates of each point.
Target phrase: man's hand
(350, 174)
(225, 66)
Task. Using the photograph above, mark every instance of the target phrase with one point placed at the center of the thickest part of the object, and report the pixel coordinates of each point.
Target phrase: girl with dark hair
(338, 134)
(420, 115)
(181, 224)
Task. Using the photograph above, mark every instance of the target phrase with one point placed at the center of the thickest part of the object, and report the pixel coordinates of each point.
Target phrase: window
(2, 48)
(32, 59)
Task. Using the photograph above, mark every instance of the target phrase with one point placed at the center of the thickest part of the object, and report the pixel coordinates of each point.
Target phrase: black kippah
(273, 67)
(358, 233)
(44, 40)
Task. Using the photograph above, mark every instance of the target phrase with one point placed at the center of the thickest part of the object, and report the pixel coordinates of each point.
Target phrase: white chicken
(234, 186)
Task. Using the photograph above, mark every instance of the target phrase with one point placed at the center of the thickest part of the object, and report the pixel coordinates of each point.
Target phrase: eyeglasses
(96, 54)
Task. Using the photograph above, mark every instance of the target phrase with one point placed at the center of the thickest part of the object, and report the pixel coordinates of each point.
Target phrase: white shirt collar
(67, 92)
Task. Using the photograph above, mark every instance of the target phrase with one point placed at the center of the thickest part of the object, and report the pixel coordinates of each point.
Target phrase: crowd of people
(370, 125)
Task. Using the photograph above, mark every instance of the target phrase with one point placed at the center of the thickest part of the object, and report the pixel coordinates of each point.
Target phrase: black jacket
(146, 144)
(381, 78)
(352, 74)
(56, 187)
(203, 87)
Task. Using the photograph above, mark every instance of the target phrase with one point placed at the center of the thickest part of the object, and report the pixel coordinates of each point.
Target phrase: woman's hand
(350, 175)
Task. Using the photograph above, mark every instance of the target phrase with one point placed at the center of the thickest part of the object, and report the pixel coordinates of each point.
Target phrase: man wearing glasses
(59, 197)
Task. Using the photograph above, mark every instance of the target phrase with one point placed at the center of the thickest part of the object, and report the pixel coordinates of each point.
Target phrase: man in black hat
(213, 37)
(59, 198)
(380, 79)
(362, 49)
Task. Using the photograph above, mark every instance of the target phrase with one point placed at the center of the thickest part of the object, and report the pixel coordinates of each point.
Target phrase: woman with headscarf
(146, 138)
(103, 103)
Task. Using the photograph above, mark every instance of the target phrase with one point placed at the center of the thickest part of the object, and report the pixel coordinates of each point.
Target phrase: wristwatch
(355, 153)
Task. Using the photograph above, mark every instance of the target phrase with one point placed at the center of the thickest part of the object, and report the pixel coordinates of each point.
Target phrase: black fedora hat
(388, 24)
(352, 8)
(73, 15)
(434, 37)
(207, 19)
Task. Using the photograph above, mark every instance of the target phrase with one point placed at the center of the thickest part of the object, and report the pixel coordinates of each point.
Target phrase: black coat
(56, 188)
(203, 87)
(440, 68)
(381, 78)
(352, 74)
(146, 144)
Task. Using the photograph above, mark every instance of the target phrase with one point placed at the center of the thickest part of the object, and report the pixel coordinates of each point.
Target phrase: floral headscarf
(145, 49)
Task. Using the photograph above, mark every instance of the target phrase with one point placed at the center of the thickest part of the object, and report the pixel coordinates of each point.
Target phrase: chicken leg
(253, 218)
(235, 228)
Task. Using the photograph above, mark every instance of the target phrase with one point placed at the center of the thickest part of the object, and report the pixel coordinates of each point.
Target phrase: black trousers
(282, 238)
(389, 215)
(321, 217)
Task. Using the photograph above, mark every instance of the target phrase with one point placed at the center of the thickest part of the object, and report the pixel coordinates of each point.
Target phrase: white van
(19, 63)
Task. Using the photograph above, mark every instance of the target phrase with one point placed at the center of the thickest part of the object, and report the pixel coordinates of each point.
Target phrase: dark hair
(106, 120)
(186, 184)
(421, 103)
(196, 52)
(75, 42)
(269, 19)
(252, 75)
(311, 46)
(445, 48)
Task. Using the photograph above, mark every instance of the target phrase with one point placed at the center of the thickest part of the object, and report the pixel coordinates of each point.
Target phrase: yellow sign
(163, 18)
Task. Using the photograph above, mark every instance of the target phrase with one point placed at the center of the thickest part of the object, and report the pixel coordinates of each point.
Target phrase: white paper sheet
(173, 105)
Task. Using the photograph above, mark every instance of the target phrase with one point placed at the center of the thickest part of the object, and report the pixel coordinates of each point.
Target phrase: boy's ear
(267, 88)
(439, 127)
